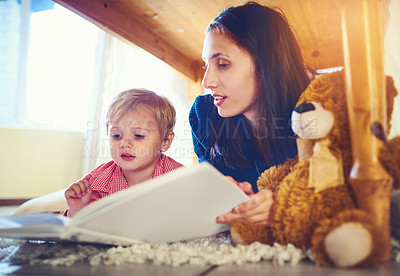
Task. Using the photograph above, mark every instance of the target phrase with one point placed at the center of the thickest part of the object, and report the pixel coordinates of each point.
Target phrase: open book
(177, 206)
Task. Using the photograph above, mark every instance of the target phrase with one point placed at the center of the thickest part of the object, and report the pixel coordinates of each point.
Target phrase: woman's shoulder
(202, 104)
(201, 109)
(204, 98)
(199, 116)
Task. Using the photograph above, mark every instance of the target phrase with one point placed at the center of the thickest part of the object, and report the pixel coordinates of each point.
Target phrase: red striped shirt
(108, 177)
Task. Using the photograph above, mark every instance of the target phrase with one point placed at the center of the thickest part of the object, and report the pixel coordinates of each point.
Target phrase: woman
(255, 72)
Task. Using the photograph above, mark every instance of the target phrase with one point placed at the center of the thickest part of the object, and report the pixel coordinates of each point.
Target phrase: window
(49, 68)
(59, 71)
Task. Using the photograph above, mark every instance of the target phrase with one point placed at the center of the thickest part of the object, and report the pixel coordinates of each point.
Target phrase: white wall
(36, 162)
(392, 57)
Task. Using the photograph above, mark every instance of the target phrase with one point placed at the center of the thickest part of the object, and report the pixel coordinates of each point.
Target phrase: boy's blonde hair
(130, 99)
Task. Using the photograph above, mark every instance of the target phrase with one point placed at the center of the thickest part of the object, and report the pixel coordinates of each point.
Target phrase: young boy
(140, 126)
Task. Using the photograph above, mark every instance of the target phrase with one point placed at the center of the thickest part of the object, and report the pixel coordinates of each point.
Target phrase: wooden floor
(304, 268)
(148, 269)
(19, 262)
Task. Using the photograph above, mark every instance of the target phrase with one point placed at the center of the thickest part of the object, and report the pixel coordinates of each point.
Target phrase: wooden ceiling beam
(112, 18)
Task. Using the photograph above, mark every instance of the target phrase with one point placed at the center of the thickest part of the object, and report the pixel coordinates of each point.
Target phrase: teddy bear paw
(349, 244)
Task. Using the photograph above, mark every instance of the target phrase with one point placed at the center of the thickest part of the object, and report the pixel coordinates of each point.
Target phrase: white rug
(216, 250)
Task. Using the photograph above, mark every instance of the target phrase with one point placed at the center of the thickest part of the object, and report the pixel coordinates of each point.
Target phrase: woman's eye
(139, 136)
(223, 65)
(116, 136)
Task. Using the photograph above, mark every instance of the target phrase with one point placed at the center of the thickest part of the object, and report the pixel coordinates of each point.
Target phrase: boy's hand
(78, 195)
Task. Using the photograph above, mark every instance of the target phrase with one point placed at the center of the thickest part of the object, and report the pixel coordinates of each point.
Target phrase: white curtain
(95, 128)
(120, 67)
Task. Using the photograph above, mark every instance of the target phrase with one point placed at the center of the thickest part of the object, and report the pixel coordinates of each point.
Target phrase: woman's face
(230, 75)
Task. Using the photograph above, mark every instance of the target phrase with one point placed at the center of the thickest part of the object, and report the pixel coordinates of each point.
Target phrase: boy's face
(136, 142)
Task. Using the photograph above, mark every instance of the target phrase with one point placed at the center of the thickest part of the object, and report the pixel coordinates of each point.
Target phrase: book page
(23, 220)
(90, 236)
(44, 226)
(180, 205)
(97, 207)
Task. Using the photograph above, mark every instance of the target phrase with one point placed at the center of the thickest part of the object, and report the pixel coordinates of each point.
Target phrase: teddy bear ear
(311, 121)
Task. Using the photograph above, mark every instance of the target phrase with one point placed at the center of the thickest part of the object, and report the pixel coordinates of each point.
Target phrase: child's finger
(85, 178)
(83, 184)
(79, 188)
(87, 186)
(70, 193)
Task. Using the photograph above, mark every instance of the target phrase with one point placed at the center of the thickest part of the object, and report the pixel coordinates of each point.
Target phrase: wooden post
(366, 105)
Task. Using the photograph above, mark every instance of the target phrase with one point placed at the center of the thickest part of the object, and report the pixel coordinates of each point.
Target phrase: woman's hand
(256, 210)
(244, 186)
(77, 195)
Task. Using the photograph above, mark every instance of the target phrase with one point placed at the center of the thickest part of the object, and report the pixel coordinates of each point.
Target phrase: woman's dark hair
(281, 76)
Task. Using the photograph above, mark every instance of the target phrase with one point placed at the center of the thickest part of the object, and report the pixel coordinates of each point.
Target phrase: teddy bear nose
(378, 131)
(304, 107)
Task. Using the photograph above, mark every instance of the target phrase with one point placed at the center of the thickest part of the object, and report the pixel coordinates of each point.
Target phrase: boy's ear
(166, 143)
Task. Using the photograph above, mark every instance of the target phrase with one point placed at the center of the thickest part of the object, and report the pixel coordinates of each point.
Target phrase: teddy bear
(314, 205)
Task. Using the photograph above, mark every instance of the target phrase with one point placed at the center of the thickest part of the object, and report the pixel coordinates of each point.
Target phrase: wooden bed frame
(366, 105)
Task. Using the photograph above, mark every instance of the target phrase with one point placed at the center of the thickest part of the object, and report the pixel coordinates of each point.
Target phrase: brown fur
(271, 178)
(390, 161)
(300, 215)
